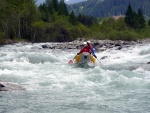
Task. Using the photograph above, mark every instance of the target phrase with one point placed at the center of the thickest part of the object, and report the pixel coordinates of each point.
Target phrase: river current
(120, 83)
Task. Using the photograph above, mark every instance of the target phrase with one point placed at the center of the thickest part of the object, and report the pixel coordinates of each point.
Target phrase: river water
(120, 84)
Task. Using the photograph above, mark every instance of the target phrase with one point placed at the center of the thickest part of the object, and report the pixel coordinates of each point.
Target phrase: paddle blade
(70, 62)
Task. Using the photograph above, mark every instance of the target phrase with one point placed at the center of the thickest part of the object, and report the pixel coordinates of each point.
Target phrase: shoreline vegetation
(52, 22)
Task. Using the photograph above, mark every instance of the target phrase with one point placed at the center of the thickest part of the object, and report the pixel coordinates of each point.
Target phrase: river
(120, 83)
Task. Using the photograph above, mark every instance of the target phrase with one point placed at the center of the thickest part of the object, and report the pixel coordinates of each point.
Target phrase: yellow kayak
(84, 58)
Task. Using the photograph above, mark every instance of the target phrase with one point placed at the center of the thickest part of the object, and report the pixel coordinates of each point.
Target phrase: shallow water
(120, 84)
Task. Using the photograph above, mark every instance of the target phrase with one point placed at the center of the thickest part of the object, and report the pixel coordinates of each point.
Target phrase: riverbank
(99, 45)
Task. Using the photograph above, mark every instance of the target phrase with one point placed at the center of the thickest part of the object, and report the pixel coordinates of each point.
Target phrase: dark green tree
(141, 20)
(86, 20)
(135, 20)
(44, 12)
(72, 18)
(149, 22)
(129, 18)
(62, 8)
(55, 5)
(50, 6)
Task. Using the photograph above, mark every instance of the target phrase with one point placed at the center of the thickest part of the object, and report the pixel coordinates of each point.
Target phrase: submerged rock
(1, 85)
(8, 86)
(104, 57)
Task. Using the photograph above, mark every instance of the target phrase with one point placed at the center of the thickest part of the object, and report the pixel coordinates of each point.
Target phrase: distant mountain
(66, 1)
(106, 8)
(73, 1)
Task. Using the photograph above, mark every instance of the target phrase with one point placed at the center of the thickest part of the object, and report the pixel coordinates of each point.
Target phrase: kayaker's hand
(78, 53)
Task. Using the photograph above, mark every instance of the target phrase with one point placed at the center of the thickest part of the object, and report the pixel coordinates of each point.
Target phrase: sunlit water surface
(120, 84)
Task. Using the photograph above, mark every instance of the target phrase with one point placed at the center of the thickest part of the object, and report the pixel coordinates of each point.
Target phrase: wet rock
(9, 41)
(44, 46)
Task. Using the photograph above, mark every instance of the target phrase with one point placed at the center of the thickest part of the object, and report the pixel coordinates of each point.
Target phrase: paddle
(99, 61)
(71, 61)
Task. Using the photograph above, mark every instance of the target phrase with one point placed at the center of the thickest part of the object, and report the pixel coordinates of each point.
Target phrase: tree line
(49, 21)
(52, 22)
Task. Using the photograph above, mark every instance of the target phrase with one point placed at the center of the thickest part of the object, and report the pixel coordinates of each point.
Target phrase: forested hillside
(105, 8)
(52, 22)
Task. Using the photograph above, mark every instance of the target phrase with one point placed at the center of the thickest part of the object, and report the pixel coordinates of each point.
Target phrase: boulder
(148, 62)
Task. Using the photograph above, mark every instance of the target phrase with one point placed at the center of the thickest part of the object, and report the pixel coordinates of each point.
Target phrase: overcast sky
(40, 1)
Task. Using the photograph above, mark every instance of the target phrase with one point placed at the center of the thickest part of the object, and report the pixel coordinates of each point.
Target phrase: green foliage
(79, 31)
(122, 35)
(144, 33)
(2, 38)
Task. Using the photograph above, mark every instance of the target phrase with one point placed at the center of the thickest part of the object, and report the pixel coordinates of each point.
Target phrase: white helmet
(84, 43)
(88, 42)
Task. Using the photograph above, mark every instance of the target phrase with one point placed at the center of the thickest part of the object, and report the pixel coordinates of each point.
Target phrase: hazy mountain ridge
(105, 8)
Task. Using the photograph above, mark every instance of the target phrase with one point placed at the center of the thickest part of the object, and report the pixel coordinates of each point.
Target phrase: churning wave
(120, 82)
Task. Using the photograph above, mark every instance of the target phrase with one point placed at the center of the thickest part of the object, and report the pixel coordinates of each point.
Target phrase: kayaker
(92, 49)
(85, 48)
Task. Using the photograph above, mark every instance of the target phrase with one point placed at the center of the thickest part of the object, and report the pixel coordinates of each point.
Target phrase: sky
(40, 1)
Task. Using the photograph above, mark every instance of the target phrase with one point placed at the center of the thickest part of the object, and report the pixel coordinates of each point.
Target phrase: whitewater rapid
(120, 83)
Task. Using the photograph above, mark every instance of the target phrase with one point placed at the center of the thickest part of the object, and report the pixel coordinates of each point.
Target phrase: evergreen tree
(135, 20)
(50, 6)
(55, 5)
(129, 19)
(86, 20)
(47, 2)
(62, 8)
(141, 20)
(72, 18)
(44, 12)
(149, 22)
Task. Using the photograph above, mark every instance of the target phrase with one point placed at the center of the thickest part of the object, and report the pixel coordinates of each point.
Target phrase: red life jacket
(85, 49)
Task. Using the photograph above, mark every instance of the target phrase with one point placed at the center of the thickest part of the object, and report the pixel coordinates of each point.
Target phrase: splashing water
(120, 84)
